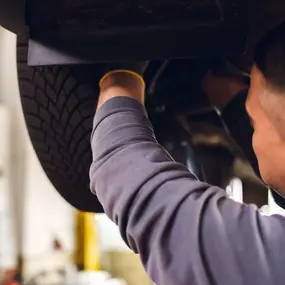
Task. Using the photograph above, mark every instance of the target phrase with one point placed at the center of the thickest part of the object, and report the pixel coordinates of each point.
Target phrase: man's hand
(123, 79)
(221, 89)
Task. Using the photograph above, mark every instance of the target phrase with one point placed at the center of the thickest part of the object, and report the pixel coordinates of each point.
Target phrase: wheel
(58, 105)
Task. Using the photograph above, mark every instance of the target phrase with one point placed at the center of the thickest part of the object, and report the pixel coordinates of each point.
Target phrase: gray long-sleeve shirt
(186, 231)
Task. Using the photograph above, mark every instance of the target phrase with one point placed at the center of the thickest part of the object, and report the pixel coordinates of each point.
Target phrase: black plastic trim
(12, 15)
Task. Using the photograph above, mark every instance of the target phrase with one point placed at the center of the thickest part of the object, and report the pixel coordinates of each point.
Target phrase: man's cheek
(256, 144)
(259, 146)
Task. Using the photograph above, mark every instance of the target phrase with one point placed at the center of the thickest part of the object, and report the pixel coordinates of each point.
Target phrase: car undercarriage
(62, 49)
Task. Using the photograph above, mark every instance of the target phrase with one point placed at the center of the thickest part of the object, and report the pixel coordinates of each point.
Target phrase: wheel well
(12, 15)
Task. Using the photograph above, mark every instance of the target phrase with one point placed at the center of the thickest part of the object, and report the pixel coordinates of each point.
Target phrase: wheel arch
(12, 15)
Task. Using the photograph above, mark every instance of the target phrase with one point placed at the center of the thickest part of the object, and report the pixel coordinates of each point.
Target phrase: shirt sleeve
(186, 231)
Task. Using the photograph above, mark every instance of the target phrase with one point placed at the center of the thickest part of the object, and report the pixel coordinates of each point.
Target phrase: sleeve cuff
(116, 105)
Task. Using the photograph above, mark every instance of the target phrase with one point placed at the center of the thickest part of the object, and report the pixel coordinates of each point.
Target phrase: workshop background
(41, 236)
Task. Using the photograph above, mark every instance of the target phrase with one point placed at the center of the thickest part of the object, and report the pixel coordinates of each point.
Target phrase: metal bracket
(40, 54)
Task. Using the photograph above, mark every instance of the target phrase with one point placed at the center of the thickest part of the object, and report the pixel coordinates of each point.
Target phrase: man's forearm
(121, 84)
(185, 231)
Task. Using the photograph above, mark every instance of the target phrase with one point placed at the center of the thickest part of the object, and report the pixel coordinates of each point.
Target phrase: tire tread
(56, 103)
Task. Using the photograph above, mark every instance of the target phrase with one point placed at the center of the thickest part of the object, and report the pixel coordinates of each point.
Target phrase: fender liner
(12, 15)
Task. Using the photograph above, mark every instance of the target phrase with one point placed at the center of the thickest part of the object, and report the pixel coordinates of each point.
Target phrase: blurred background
(43, 240)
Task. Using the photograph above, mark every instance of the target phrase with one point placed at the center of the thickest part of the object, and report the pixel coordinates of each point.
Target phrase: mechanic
(186, 231)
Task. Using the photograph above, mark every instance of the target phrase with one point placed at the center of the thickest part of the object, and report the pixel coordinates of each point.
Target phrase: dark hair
(270, 57)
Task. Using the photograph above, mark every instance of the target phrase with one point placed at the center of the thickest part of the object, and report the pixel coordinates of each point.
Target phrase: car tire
(58, 104)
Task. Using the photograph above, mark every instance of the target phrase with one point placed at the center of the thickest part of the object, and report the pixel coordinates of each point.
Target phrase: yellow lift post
(87, 254)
